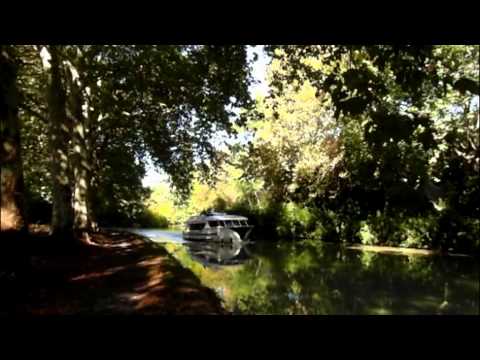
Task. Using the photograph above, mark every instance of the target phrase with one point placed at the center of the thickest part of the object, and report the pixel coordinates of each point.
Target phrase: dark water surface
(319, 278)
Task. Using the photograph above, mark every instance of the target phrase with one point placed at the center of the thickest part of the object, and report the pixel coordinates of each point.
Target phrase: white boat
(215, 226)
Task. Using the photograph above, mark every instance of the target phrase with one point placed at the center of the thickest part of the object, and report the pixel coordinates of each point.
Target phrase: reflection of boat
(217, 253)
(217, 227)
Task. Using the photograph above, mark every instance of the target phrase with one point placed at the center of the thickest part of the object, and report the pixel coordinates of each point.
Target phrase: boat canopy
(213, 216)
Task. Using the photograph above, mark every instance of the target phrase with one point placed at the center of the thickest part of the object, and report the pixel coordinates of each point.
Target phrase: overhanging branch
(33, 112)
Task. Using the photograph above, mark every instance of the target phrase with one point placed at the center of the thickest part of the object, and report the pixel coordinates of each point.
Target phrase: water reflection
(316, 278)
(216, 253)
(157, 235)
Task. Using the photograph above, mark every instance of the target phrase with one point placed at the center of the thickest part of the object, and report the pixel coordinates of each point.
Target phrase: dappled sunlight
(121, 274)
(151, 262)
(98, 274)
(123, 245)
(358, 173)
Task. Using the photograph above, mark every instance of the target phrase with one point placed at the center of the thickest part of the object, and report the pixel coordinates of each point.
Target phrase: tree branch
(33, 112)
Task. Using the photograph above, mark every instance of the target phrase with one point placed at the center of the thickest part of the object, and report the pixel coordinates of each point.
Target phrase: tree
(295, 139)
(59, 138)
(390, 103)
(82, 115)
(32, 87)
(167, 110)
(111, 108)
(12, 202)
(13, 225)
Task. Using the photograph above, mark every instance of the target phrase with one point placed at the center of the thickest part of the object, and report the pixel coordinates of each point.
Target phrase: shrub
(151, 219)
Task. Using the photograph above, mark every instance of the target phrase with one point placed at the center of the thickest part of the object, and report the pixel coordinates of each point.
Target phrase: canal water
(312, 277)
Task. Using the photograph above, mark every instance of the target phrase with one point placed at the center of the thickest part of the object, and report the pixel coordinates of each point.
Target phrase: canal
(311, 277)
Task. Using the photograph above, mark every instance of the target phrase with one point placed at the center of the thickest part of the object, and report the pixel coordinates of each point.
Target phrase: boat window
(228, 223)
(196, 226)
(214, 223)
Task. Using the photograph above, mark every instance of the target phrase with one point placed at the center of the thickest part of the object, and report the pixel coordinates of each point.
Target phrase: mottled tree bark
(12, 197)
(81, 159)
(14, 258)
(62, 216)
(92, 117)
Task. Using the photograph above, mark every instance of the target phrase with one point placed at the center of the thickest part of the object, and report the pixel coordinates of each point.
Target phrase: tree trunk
(81, 156)
(62, 216)
(14, 259)
(90, 119)
(12, 197)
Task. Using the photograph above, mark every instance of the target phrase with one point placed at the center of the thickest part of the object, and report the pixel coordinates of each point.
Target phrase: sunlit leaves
(405, 113)
(142, 101)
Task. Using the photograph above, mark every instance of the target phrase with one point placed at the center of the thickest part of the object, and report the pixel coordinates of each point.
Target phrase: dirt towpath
(120, 273)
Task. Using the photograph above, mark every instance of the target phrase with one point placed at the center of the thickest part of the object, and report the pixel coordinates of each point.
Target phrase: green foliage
(140, 102)
(361, 144)
(356, 143)
(406, 129)
(221, 196)
(152, 220)
(295, 222)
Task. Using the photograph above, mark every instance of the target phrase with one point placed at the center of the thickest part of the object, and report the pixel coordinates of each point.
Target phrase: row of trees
(378, 144)
(355, 143)
(80, 122)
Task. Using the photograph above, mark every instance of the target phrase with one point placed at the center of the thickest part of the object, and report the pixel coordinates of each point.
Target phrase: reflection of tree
(311, 278)
(316, 279)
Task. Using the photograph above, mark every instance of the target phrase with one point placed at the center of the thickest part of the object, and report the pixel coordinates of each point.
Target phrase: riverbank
(120, 273)
(175, 235)
(402, 250)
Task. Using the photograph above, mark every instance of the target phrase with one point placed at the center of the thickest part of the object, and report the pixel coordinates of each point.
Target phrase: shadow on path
(121, 273)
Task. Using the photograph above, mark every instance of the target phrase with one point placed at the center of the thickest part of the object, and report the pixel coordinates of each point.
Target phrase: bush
(418, 232)
(150, 219)
(367, 237)
(276, 220)
(457, 232)
(294, 221)
(263, 219)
